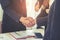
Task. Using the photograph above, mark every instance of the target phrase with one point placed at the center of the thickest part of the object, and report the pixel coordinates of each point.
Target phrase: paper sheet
(6, 37)
(22, 34)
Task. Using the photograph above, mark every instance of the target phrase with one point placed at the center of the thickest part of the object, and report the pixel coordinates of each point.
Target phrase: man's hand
(27, 21)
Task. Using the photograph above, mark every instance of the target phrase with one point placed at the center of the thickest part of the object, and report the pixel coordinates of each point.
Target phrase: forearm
(6, 6)
(42, 21)
(13, 14)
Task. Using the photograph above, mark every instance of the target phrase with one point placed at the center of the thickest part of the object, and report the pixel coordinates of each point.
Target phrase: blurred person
(53, 27)
(14, 15)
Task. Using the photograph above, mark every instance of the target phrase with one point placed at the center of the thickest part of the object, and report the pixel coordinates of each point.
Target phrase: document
(6, 36)
(22, 34)
(27, 33)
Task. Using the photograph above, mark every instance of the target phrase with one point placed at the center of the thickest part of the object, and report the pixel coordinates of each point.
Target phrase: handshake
(28, 21)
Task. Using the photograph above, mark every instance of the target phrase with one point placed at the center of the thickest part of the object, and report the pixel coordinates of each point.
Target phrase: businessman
(14, 16)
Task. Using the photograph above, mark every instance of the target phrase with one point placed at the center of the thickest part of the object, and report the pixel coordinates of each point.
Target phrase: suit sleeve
(42, 21)
(10, 12)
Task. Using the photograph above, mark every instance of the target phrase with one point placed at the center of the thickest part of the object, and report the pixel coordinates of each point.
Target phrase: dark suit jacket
(47, 32)
(13, 10)
(53, 28)
(42, 19)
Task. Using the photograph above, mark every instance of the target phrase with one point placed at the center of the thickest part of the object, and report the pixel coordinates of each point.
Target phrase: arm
(42, 21)
(10, 12)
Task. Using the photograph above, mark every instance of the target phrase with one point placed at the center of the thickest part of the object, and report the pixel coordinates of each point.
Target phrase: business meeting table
(36, 34)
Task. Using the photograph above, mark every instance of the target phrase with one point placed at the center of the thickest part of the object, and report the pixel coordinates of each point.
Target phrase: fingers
(27, 21)
(31, 20)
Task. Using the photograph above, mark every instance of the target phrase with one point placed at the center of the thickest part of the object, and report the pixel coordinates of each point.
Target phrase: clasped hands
(28, 21)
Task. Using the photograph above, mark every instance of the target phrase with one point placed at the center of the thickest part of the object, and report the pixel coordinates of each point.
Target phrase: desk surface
(21, 34)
